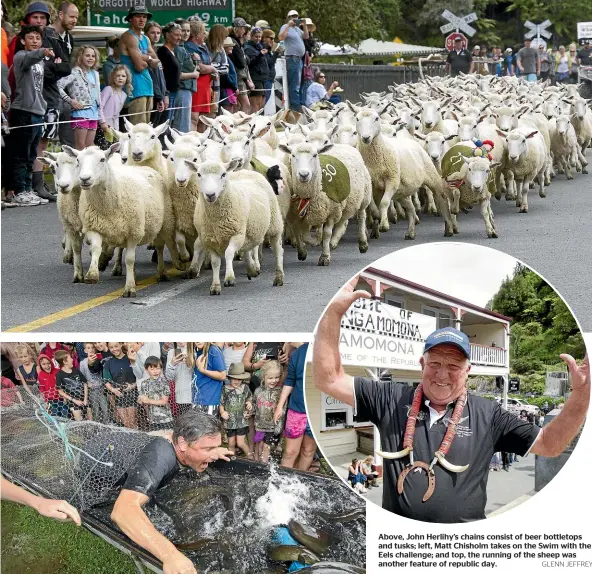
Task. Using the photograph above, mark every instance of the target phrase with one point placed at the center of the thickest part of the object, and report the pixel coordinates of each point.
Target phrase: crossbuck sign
(458, 24)
(538, 30)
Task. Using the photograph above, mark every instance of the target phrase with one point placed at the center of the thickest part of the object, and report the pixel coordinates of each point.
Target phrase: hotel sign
(375, 334)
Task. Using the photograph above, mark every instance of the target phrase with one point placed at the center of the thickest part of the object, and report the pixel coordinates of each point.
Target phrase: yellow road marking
(86, 305)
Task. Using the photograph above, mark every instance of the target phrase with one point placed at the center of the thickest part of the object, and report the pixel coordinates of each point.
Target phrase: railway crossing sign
(450, 41)
(538, 30)
(459, 23)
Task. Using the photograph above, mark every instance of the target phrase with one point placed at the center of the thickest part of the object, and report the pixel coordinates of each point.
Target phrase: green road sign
(112, 12)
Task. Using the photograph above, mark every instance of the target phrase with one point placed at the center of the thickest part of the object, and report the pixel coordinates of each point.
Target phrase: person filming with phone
(293, 37)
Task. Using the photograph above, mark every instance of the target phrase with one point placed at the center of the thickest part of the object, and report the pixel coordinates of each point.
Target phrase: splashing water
(285, 499)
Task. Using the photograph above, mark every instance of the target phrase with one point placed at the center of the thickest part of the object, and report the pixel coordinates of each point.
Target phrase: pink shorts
(83, 124)
(295, 424)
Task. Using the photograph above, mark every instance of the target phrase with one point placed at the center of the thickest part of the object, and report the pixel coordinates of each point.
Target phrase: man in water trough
(440, 439)
(194, 442)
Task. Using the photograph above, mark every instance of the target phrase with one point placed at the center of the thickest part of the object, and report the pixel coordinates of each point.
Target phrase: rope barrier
(11, 128)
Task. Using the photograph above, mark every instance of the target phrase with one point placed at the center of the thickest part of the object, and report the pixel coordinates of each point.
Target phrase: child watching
(113, 98)
(236, 407)
(154, 392)
(96, 386)
(267, 432)
(27, 109)
(72, 386)
(46, 375)
(84, 87)
(27, 372)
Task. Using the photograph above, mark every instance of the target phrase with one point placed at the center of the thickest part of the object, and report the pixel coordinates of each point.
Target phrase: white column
(377, 458)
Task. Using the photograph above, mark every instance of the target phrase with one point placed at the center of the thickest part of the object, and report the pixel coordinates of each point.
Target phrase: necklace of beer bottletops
(440, 454)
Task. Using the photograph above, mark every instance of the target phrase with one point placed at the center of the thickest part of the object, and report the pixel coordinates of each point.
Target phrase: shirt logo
(461, 431)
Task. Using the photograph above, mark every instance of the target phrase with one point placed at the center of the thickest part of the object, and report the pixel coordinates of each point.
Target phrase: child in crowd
(154, 392)
(267, 433)
(46, 375)
(114, 95)
(27, 109)
(72, 386)
(96, 386)
(27, 372)
(236, 407)
(82, 90)
(122, 384)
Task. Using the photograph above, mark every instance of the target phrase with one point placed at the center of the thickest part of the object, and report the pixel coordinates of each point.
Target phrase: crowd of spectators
(153, 72)
(256, 389)
(558, 64)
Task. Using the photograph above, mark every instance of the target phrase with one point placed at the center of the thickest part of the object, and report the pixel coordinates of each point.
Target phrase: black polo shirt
(459, 62)
(484, 428)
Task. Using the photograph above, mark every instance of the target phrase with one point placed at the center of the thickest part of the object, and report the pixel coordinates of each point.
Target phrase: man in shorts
(195, 442)
(528, 62)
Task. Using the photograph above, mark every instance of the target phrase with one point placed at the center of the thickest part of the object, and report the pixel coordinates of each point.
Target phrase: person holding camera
(293, 37)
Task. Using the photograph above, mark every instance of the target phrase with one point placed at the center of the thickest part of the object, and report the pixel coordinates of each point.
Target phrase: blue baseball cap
(458, 39)
(450, 336)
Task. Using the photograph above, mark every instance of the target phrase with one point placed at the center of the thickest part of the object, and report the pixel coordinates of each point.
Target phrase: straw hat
(228, 42)
(310, 23)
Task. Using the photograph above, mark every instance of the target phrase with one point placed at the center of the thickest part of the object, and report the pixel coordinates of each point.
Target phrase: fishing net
(80, 462)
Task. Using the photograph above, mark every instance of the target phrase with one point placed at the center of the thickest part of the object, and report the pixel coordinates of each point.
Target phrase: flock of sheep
(243, 184)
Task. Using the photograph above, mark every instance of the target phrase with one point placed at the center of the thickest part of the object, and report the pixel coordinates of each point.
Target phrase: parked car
(517, 406)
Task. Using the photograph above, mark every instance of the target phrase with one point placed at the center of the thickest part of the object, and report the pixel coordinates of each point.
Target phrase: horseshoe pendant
(431, 478)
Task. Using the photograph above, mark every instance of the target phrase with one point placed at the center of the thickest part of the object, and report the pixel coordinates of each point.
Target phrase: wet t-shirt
(484, 428)
(154, 467)
(234, 402)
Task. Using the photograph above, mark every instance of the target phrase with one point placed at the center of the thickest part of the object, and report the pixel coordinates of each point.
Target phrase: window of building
(394, 300)
(443, 318)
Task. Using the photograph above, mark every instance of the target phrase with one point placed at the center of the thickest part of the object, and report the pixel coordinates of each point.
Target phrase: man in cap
(459, 59)
(585, 54)
(528, 62)
(293, 37)
(239, 61)
(138, 55)
(54, 68)
(438, 440)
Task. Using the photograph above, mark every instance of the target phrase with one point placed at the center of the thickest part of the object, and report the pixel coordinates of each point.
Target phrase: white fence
(484, 355)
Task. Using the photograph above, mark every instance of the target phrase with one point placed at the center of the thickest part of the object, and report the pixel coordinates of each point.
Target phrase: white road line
(186, 285)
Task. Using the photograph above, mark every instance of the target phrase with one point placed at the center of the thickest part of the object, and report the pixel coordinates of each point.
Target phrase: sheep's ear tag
(335, 176)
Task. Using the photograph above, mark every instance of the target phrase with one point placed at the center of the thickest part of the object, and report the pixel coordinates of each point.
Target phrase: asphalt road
(554, 238)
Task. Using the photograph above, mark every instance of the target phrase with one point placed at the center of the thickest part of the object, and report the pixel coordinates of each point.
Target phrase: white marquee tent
(373, 47)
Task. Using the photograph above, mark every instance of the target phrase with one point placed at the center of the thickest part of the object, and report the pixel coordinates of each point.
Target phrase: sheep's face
(517, 146)
(368, 124)
(467, 128)
(144, 143)
(410, 119)
(212, 177)
(92, 166)
(435, 146)
(323, 119)
(66, 173)
(563, 124)
(318, 139)
(177, 159)
(550, 109)
(578, 107)
(430, 114)
(505, 118)
(237, 146)
(478, 170)
(346, 135)
(305, 162)
(226, 123)
(123, 138)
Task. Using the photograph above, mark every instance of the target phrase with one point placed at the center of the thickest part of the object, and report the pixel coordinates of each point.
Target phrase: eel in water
(344, 516)
(198, 544)
(333, 568)
(317, 540)
(288, 553)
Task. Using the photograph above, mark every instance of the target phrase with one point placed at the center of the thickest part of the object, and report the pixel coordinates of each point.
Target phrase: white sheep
(525, 161)
(235, 212)
(122, 206)
(564, 144)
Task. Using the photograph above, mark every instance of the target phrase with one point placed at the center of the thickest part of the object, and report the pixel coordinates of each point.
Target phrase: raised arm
(556, 436)
(129, 515)
(327, 372)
